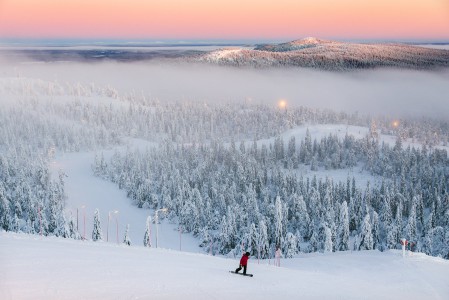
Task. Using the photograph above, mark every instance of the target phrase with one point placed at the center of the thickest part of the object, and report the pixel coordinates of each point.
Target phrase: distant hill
(330, 55)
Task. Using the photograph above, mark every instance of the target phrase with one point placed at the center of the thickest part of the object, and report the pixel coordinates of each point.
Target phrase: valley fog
(396, 93)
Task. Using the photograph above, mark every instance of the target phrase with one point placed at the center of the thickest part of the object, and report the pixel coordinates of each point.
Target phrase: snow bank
(52, 268)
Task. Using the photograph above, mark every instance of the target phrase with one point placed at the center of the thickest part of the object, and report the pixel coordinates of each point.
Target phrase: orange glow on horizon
(230, 19)
(282, 104)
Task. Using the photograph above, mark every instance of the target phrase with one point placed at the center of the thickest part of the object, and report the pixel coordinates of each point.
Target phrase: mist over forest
(391, 92)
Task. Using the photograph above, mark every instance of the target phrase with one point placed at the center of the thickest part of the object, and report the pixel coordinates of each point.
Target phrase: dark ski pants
(239, 268)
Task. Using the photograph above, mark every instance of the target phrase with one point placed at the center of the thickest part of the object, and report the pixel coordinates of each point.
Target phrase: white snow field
(34, 267)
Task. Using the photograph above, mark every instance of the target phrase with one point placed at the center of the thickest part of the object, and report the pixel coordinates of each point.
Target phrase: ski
(233, 272)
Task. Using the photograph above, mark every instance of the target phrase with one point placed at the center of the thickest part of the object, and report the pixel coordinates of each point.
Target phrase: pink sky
(230, 19)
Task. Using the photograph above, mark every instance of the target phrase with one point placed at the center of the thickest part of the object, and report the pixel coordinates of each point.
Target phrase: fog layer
(385, 91)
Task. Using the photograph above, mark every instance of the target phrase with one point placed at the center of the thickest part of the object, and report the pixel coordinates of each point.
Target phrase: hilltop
(330, 55)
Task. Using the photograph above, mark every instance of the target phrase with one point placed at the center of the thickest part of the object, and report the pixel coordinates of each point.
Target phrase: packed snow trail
(84, 189)
(34, 267)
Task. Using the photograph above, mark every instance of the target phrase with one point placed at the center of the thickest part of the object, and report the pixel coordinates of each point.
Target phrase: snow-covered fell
(331, 55)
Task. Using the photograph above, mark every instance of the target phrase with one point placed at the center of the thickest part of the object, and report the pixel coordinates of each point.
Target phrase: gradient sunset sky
(230, 19)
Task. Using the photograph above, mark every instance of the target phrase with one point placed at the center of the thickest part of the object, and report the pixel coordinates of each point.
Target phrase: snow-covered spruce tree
(324, 238)
(189, 216)
(5, 211)
(97, 234)
(278, 222)
(438, 241)
(126, 239)
(300, 217)
(375, 230)
(290, 245)
(328, 246)
(228, 235)
(329, 213)
(253, 236)
(398, 221)
(354, 212)
(147, 236)
(366, 236)
(72, 230)
(262, 240)
(386, 217)
(445, 252)
(343, 228)
(410, 228)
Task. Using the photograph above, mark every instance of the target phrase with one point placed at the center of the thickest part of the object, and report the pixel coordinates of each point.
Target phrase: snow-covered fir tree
(147, 236)
(365, 240)
(97, 233)
(126, 239)
(343, 228)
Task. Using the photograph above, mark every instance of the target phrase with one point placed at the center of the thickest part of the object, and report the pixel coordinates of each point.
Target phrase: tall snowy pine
(126, 239)
(97, 234)
(366, 236)
(343, 228)
(147, 236)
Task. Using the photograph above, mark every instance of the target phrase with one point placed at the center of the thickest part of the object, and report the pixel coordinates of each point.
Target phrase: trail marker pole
(84, 221)
(180, 234)
(403, 243)
(40, 219)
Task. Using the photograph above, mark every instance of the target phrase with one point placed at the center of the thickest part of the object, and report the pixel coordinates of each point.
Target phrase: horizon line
(106, 41)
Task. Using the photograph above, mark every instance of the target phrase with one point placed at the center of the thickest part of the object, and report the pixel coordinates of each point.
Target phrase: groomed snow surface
(34, 267)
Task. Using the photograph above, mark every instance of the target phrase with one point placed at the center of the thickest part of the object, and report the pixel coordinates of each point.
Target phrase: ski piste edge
(249, 275)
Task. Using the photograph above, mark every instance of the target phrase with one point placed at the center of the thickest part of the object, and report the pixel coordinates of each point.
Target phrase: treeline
(79, 117)
(30, 201)
(251, 196)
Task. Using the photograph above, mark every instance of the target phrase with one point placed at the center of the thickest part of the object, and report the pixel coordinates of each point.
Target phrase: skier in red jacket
(243, 263)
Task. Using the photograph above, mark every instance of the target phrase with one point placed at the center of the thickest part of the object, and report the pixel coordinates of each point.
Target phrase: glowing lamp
(282, 104)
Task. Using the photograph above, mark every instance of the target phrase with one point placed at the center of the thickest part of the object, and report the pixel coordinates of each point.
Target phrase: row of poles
(156, 220)
(113, 213)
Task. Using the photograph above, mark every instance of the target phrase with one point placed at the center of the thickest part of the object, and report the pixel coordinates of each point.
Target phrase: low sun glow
(282, 104)
(395, 124)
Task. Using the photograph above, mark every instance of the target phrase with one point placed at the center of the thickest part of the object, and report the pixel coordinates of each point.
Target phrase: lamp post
(40, 219)
(116, 223)
(109, 217)
(149, 231)
(77, 229)
(156, 221)
(180, 234)
(84, 221)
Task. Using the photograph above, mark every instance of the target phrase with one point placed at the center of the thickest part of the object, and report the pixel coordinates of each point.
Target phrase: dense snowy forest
(250, 196)
(217, 177)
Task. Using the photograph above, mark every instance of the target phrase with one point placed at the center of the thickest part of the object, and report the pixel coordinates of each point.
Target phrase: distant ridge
(318, 53)
(304, 43)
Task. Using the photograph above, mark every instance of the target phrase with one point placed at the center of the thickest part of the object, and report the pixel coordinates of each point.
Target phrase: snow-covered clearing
(36, 267)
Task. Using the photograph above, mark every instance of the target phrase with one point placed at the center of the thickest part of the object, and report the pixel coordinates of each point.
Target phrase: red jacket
(244, 260)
